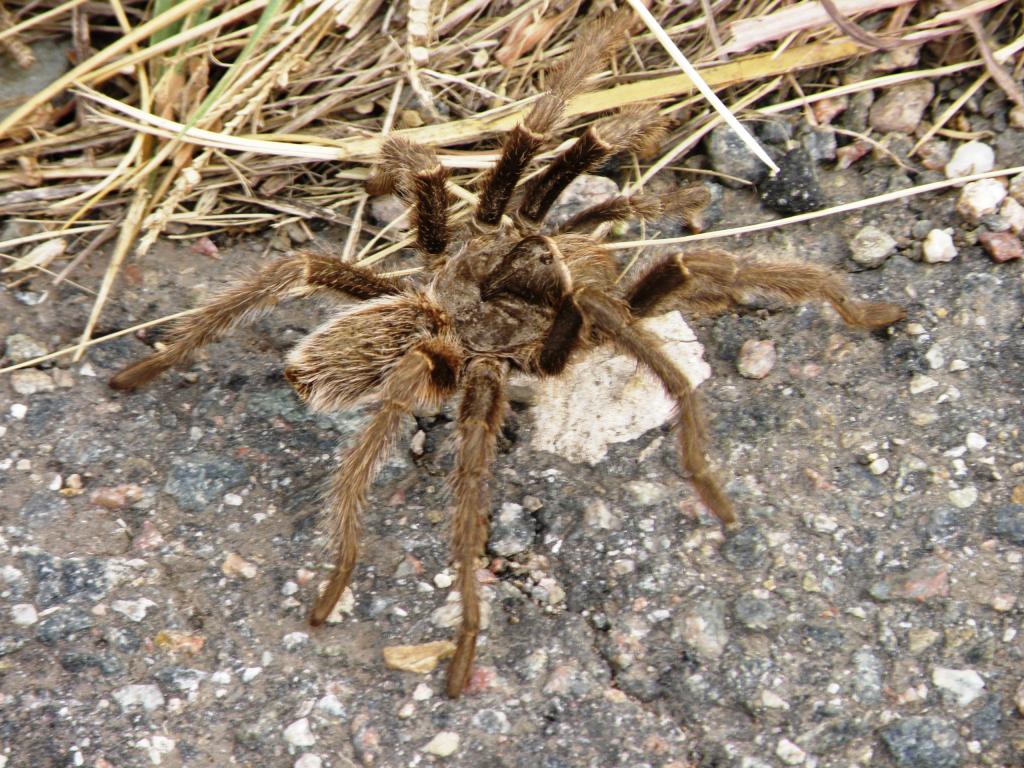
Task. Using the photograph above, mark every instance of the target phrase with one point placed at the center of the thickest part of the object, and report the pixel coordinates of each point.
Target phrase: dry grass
(191, 118)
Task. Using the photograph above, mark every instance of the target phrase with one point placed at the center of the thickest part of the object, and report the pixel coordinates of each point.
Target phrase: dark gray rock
(795, 188)
(512, 530)
(63, 624)
(1009, 523)
(62, 579)
(754, 613)
(202, 478)
(746, 548)
(924, 742)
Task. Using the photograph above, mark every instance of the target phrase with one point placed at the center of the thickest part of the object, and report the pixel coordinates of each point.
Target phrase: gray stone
(703, 627)
(795, 188)
(512, 530)
(19, 348)
(148, 697)
(202, 478)
(1009, 523)
(62, 625)
(746, 548)
(730, 156)
(923, 742)
(871, 246)
(753, 612)
(901, 108)
(867, 677)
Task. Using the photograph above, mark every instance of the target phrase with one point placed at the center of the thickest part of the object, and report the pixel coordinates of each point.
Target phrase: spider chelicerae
(502, 293)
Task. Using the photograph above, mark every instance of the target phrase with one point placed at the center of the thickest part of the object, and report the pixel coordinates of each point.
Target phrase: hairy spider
(502, 294)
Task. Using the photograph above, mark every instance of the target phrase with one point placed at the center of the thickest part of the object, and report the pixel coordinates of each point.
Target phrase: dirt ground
(158, 550)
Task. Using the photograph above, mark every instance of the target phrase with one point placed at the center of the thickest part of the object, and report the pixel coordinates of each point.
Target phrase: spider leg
(247, 300)
(525, 140)
(480, 416)
(632, 129)
(417, 176)
(427, 373)
(612, 317)
(715, 280)
(686, 204)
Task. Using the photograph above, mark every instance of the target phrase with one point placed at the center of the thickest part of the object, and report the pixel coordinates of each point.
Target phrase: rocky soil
(158, 551)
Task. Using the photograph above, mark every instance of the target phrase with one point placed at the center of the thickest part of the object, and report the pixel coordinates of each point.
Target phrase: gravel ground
(159, 550)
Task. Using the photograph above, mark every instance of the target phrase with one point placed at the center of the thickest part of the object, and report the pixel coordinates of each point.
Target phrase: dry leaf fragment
(418, 658)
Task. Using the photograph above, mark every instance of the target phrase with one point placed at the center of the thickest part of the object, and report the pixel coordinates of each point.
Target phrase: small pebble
(790, 753)
(879, 466)
(1003, 602)
(756, 358)
(133, 609)
(935, 357)
(958, 365)
(871, 246)
(422, 692)
(31, 382)
(920, 383)
(236, 566)
(901, 107)
(421, 659)
(975, 442)
(965, 684)
(962, 498)
(298, 734)
(233, 499)
(970, 158)
(309, 760)
(443, 580)
(148, 697)
(24, 614)
(980, 199)
(1001, 246)
(938, 247)
(293, 640)
(251, 673)
(1018, 698)
(444, 744)
(1017, 188)
(1013, 212)
(18, 411)
(20, 348)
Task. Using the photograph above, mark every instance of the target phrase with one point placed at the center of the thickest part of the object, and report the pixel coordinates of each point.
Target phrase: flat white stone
(965, 684)
(606, 397)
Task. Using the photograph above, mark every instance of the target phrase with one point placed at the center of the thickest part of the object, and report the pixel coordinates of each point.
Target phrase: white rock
(293, 640)
(970, 158)
(148, 697)
(31, 381)
(251, 673)
(444, 744)
(1013, 212)
(331, 705)
(963, 498)
(443, 580)
(790, 753)
(422, 692)
(24, 614)
(938, 247)
(605, 397)
(879, 466)
(980, 199)
(935, 357)
(233, 499)
(18, 411)
(871, 246)
(309, 760)
(133, 609)
(965, 684)
(975, 442)
(298, 733)
(772, 700)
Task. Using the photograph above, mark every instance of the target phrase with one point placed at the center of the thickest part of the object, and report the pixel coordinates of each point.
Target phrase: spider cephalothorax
(502, 294)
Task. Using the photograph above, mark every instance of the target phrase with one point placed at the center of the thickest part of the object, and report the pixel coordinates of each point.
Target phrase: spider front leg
(426, 374)
(714, 280)
(480, 417)
(247, 300)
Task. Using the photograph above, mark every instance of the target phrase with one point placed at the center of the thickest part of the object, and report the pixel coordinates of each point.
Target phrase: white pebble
(31, 381)
(756, 358)
(148, 697)
(1013, 212)
(298, 733)
(935, 357)
(443, 580)
(309, 760)
(24, 614)
(975, 442)
(790, 753)
(963, 498)
(958, 365)
(232, 499)
(251, 673)
(293, 640)
(965, 684)
(879, 466)
(980, 199)
(938, 247)
(133, 609)
(446, 743)
(422, 692)
(970, 158)
(920, 383)
(18, 411)
(871, 246)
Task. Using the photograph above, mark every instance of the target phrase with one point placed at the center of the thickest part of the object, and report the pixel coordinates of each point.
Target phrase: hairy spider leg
(685, 204)
(612, 316)
(480, 416)
(630, 129)
(415, 174)
(247, 300)
(426, 374)
(715, 280)
(525, 140)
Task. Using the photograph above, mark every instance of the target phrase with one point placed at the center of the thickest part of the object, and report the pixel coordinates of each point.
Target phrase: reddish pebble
(826, 110)
(851, 153)
(149, 538)
(481, 679)
(206, 247)
(1001, 246)
(116, 497)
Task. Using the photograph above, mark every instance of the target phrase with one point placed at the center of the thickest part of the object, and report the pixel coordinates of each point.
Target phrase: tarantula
(502, 294)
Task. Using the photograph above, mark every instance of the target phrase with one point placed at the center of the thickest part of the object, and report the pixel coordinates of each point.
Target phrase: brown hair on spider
(502, 293)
